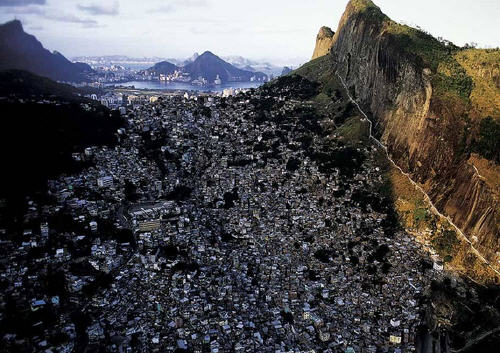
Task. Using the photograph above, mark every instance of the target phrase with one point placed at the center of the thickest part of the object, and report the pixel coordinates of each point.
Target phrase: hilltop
(209, 65)
(22, 51)
(163, 67)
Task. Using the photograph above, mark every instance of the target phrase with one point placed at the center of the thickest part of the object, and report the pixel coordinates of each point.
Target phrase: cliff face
(422, 103)
(324, 42)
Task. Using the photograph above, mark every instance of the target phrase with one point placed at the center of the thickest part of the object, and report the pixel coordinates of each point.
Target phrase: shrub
(488, 144)
(445, 244)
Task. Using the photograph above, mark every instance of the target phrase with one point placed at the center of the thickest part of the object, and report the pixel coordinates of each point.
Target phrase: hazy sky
(280, 30)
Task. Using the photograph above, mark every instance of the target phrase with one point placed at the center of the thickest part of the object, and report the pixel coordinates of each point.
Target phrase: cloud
(101, 9)
(29, 10)
(68, 18)
(35, 28)
(18, 3)
(174, 5)
(52, 15)
(193, 3)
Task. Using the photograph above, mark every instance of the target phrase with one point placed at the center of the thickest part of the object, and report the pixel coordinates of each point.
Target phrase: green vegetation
(445, 244)
(354, 130)
(488, 144)
(317, 70)
(332, 88)
(363, 5)
(452, 85)
(367, 9)
(483, 65)
(293, 85)
(419, 214)
(450, 80)
(417, 42)
(456, 82)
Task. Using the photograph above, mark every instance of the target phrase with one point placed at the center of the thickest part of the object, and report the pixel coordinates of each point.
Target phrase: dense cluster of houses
(211, 227)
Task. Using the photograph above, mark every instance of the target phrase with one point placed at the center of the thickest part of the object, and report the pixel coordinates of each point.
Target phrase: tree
(488, 144)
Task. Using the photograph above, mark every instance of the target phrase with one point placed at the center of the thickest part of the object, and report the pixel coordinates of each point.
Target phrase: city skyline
(276, 31)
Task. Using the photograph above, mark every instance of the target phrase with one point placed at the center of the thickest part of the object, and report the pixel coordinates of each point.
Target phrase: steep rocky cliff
(324, 42)
(429, 101)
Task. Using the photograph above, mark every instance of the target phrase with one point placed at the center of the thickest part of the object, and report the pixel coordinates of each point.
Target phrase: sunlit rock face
(401, 77)
(324, 42)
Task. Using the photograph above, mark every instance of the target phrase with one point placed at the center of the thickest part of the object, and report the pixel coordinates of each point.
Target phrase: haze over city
(273, 30)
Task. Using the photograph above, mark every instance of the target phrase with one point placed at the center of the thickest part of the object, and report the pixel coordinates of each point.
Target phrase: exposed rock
(419, 113)
(324, 42)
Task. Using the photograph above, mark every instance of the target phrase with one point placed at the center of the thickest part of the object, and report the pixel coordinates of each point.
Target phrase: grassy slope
(483, 66)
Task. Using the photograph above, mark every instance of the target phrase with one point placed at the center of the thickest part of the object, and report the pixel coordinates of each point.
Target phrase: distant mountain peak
(22, 51)
(362, 6)
(190, 59)
(14, 25)
(207, 54)
(211, 67)
(164, 67)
